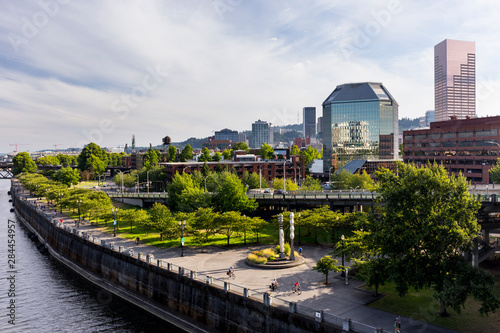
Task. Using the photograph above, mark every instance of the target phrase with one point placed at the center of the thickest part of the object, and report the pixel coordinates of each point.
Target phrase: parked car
(267, 190)
(280, 192)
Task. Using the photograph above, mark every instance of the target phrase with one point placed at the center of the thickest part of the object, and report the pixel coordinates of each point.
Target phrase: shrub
(257, 253)
(271, 258)
(256, 259)
(268, 252)
(277, 249)
(287, 249)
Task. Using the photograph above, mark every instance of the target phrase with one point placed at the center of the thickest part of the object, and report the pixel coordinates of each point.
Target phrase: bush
(268, 253)
(256, 259)
(277, 249)
(287, 249)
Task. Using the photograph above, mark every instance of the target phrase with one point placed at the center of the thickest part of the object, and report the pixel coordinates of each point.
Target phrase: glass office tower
(360, 122)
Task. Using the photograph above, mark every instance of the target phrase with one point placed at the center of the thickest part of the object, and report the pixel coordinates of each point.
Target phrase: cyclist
(230, 272)
(296, 287)
(274, 284)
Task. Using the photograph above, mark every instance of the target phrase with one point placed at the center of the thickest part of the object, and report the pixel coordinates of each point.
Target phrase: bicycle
(296, 289)
(231, 275)
(274, 288)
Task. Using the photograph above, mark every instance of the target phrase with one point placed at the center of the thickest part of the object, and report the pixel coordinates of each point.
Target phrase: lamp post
(137, 182)
(299, 229)
(292, 236)
(147, 179)
(79, 203)
(114, 211)
(342, 238)
(182, 225)
(60, 200)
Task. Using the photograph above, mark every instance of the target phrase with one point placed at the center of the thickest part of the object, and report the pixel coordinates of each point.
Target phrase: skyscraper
(454, 79)
(360, 121)
(260, 133)
(309, 122)
(226, 134)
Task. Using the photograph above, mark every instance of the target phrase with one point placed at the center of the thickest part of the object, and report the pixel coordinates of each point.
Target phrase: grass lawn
(421, 305)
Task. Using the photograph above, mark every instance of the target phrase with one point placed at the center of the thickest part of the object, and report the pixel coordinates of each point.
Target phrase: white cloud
(260, 60)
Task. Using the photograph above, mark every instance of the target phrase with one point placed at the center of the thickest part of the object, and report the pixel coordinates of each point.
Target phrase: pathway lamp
(79, 203)
(147, 179)
(182, 225)
(343, 239)
(292, 236)
(114, 211)
(299, 228)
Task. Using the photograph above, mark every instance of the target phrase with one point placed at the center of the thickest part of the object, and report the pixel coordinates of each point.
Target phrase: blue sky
(72, 71)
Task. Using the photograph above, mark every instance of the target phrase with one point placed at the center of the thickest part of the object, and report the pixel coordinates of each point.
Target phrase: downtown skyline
(101, 71)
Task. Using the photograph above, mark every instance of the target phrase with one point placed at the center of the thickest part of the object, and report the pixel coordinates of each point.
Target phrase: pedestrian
(137, 240)
(300, 250)
(397, 324)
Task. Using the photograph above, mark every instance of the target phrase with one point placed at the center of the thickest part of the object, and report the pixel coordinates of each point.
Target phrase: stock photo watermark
(363, 36)
(31, 26)
(124, 104)
(223, 6)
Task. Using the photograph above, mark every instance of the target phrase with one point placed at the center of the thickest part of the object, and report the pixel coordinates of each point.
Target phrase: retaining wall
(188, 303)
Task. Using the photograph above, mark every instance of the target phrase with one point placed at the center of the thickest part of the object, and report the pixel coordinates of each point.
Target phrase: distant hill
(407, 124)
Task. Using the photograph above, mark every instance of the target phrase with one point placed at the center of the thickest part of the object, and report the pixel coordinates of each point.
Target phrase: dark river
(48, 297)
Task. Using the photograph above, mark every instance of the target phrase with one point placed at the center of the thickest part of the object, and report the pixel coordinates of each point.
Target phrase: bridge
(6, 170)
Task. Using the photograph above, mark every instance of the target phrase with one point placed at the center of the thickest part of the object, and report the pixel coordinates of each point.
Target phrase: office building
(226, 134)
(360, 122)
(454, 79)
(261, 132)
(429, 117)
(309, 122)
(320, 125)
(467, 146)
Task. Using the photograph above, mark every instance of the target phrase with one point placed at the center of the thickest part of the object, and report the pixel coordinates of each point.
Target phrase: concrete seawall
(184, 301)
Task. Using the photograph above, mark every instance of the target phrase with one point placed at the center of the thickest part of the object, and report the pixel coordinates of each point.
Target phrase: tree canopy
(93, 158)
(266, 151)
(420, 234)
(22, 163)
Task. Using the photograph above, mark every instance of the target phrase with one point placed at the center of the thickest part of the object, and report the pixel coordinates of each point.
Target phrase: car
(267, 190)
(280, 192)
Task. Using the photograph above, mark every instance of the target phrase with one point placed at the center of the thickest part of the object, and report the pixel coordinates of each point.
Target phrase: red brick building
(294, 168)
(470, 146)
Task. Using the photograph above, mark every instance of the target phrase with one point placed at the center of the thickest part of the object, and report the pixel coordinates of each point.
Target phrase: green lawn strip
(421, 305)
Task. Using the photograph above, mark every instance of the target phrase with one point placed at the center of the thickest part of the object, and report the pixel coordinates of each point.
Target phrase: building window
(492, 132)
(449, 144)
(465, 134)
(465, 143)
(434, 144)
(449, 135)
(434, 136)
(420, 137)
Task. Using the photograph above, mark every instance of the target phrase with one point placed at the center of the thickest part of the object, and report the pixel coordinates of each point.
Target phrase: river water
(48, 297)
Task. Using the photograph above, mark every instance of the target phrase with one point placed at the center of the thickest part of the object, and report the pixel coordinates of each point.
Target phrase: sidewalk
(337, 298)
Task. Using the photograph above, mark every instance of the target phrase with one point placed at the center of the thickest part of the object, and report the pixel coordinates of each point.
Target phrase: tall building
(429, 117)
(309, 122)
(226, 134)
(320, 124)
(455, 79)
(360, 122)
(260, 134)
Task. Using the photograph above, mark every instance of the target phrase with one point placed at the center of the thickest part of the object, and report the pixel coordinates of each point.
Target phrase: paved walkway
(337, 298)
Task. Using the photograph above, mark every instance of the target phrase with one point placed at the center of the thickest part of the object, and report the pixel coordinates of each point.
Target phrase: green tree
(186, 154)
(325, 265)
(311, 184)
(205, 155)
(22, 163)
(240, 146)
(266, 151)
(277, 184)
(495, 173)
(231, 195)
(310, 154)
(172, 153)
(68, 176)
(93, 158)
(228, 223)
(151, 158)
(185, 194)
(217, 156)
(226, 154)
(204, 224)
(295, 150)
(125, 179)
(162, 220)
(48, 160)
(250, 179)
(427, 221)
(67, 159)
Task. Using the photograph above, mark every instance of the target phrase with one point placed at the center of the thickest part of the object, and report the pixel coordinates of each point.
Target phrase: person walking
(397, 325)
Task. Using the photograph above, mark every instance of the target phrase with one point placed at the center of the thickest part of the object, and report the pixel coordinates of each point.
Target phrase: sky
(74, 72)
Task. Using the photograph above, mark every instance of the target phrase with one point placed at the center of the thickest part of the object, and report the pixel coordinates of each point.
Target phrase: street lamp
(182, 225)
(147, 179)
(79, 203)
(137, 182)
(114, 211)
(343, 271)
(299, 229)
(292, 236)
